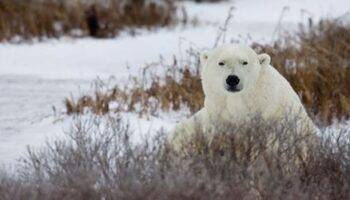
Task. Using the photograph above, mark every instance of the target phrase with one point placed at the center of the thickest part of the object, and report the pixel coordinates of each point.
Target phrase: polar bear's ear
(204, 56)
(264, 59)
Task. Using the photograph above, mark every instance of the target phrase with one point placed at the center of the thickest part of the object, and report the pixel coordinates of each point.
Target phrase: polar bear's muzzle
(233, 83)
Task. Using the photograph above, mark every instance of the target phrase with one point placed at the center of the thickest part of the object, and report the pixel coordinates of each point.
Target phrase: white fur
(263, 90)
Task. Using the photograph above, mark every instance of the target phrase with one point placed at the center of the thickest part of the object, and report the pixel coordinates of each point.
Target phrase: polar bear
(238, 84)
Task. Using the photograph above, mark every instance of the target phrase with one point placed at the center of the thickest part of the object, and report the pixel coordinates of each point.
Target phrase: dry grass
(98, 161)
(315, 61)
(181, 87)
(31, 19)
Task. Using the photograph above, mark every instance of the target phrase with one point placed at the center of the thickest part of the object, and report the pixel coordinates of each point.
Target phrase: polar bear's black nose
(232, 80)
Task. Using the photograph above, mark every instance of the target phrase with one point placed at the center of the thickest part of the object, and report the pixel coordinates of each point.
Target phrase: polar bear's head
(231, 69)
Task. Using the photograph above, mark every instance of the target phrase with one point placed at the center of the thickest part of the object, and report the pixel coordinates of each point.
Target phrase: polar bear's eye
(244, 63)
(221, 63)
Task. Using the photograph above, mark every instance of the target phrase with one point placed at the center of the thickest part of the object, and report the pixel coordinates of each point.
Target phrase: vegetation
(39, 19)
(99, 161)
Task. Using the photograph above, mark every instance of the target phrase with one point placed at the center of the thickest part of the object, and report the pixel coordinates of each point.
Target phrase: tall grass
(42, 19)
(315, 61)
(179, 88)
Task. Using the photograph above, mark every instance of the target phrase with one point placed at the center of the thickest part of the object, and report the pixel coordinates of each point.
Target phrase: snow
(89, 58)
(35, 78)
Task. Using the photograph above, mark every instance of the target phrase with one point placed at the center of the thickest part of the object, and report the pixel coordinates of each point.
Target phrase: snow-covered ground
(35, 78)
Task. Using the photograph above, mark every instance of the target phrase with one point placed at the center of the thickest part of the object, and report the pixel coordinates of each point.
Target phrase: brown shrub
(51, 18)
(180, 88)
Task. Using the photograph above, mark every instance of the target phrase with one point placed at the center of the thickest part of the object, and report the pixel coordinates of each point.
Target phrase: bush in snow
(97, 160)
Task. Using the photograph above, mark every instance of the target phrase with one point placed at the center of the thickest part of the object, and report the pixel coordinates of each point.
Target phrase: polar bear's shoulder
(275, 82)
(281, 96)
(184, 130)
(271, 74)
